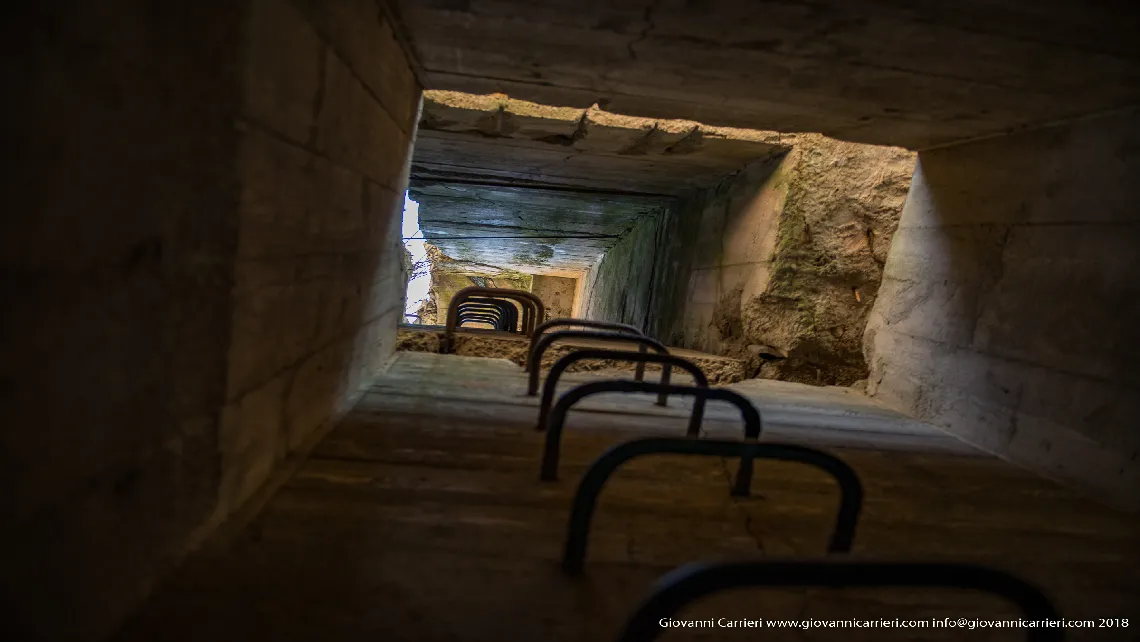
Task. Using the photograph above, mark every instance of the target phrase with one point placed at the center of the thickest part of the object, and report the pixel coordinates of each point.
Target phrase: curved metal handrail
(532, 310)
(534, 359)
(496, 313)
(506, 308)
(560, 366)
(497, 309)
(691, 582)
(586, 498)
(585, 323)
(553, 444)
(468, 317)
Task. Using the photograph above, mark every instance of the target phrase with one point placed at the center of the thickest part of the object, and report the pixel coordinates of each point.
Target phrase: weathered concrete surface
(498, 345)
(619, 286)
(557, 294)
(547, 190)
(1010, 298)
(117, 266)
(786, 260)
(420, 519)
(829, 416)
(866, 71)
(319, 274)
(197, 279)
(538, 231)
(481, 138)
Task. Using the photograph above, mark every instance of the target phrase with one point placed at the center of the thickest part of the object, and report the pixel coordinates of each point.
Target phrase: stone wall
(1009, 302)
(841, 207)
(786, 259)
(202, 266)
(557, 294)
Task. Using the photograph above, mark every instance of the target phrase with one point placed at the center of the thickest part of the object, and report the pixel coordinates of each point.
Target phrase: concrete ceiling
(547, 190)
(914, 74)
(493, 138)
(532, 230)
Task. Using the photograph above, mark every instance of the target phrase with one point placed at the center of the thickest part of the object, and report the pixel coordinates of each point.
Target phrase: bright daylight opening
(419, 277)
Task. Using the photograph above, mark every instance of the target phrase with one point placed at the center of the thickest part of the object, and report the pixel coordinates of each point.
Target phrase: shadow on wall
(619, 287)
(1008, 307)
(787, 260)
(217, 275)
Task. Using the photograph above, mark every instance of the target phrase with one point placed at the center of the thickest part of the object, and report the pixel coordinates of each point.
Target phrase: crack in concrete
(649, 26)
(748, 523)
(319, 98)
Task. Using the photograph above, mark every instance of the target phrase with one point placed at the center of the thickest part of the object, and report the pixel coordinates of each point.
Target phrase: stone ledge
(719, 370)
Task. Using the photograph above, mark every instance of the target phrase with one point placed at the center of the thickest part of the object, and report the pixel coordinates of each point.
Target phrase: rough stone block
(454, 111)
(557, 293)
(609, 133)
(734, 148)
(668, 133)
(541, 122)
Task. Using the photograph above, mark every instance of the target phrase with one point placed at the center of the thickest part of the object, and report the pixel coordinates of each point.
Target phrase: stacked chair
(697, 580)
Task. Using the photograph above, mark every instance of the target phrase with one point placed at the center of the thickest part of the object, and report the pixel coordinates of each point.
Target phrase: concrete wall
(201, 265)
(1008, 311)
(619, 288)
(730, 252)
(557, 294)
(331, 107)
